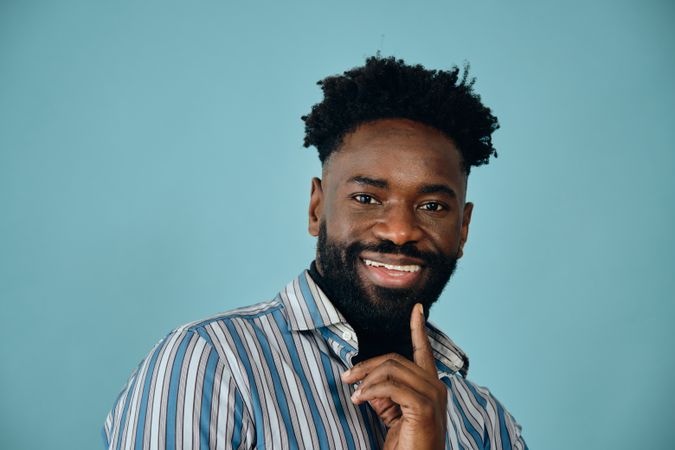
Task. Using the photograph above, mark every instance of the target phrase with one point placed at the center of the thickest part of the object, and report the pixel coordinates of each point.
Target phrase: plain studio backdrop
(152, 173)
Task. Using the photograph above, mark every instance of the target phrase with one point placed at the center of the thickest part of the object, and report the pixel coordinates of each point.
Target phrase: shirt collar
(307, 307)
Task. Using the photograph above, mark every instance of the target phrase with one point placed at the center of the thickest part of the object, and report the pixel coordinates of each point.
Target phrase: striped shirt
(268, 377)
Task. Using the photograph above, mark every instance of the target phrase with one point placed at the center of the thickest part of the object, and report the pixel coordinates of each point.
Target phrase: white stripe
(190, 383)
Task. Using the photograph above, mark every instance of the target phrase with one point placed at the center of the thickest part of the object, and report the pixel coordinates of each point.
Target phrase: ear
(315, 207)
(464, 232)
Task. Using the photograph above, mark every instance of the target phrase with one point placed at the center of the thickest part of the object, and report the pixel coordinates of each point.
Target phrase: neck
(371, 345)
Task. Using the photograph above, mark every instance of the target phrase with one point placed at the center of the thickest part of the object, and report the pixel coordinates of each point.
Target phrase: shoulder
(475, 410)
(190, 373)
(227, 333)
(239, 316)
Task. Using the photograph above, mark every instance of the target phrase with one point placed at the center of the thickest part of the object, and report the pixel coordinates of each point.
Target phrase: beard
(380, 316)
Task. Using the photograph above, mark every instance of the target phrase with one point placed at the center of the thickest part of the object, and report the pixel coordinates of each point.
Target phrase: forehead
(398, 150)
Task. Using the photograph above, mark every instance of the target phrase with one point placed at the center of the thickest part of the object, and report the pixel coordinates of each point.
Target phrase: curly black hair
(386, 88)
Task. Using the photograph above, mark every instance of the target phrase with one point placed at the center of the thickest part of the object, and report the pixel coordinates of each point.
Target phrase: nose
(398, 224)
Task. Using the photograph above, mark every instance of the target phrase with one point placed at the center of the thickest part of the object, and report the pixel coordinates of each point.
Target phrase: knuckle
(390, 364)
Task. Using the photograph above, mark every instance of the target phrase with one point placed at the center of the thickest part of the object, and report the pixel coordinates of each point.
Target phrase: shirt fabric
(268, 377)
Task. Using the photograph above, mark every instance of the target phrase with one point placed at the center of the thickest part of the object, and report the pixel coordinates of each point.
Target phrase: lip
(388, 258)
(387, 277)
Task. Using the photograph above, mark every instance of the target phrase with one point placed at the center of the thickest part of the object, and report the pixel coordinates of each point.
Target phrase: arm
(181, 396)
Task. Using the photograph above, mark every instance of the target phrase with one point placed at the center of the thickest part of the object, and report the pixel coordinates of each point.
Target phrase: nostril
(398, 229)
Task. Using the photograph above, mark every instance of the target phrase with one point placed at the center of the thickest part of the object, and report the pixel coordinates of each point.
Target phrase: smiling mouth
(411, 268)
(392, 276)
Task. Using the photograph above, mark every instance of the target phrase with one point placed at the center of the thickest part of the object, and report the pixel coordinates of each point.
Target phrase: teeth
(410, 268)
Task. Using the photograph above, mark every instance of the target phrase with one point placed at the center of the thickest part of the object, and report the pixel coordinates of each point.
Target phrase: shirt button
(347, 335)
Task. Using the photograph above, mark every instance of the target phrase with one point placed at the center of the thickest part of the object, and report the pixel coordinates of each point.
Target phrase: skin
(402, 181)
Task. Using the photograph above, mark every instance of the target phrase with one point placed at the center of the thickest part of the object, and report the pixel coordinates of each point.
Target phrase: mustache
(408, 249)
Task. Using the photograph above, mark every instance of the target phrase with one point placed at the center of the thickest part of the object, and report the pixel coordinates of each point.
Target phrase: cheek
(445, 239)
(343, 230)
(344, 224)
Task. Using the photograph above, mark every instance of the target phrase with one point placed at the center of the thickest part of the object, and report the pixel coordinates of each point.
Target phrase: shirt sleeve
(180, 397)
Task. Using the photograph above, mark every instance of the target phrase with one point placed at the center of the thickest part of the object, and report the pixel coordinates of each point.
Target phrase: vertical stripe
(277, 386)
(369, 416)
(346, 431)
(235, 441)
(178, 361)
(127, 401)
(310, 301)
(207, 392)
(260, 436)
(191, 383)
(300, 372)
(144, 400)
(506, 439)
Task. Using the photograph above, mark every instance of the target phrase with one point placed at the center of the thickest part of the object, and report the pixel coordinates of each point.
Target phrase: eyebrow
(383, 184)
(369, 181)
(435, 188)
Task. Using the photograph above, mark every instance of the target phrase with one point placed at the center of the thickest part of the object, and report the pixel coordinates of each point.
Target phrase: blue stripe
(309, 300)
(469, 427)
(238, 419)
(328, 370)
(300, 372)
(172, 401)
(278, 387)
(371, 420)
(479, 398)
(203, 334)
(506, 439)
(207, 396)
(457, 433)
(246, 362)
(144, 399)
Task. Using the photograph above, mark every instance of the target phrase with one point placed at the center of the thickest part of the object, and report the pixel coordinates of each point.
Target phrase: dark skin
(402, 181)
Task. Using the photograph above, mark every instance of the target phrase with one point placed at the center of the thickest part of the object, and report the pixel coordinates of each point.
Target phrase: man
(343, 357)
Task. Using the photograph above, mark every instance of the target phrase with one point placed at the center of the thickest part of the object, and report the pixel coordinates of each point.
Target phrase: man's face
(391, 219)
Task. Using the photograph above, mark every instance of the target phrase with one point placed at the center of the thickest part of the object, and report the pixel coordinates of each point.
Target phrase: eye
(432, 206)
(365, 199)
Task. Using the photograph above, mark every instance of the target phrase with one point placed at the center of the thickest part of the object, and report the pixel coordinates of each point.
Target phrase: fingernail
(420, 308)
(345, 373)
(356, 394)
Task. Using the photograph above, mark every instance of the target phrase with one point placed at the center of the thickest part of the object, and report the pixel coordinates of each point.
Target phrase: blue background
(152, 173)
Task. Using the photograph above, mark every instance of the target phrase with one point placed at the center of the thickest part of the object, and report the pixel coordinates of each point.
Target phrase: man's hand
(408, 396)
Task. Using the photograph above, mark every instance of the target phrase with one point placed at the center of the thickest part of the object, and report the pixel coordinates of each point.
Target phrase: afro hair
(386, 88)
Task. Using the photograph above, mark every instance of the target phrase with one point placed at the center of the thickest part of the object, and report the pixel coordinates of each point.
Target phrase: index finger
(422, 353)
